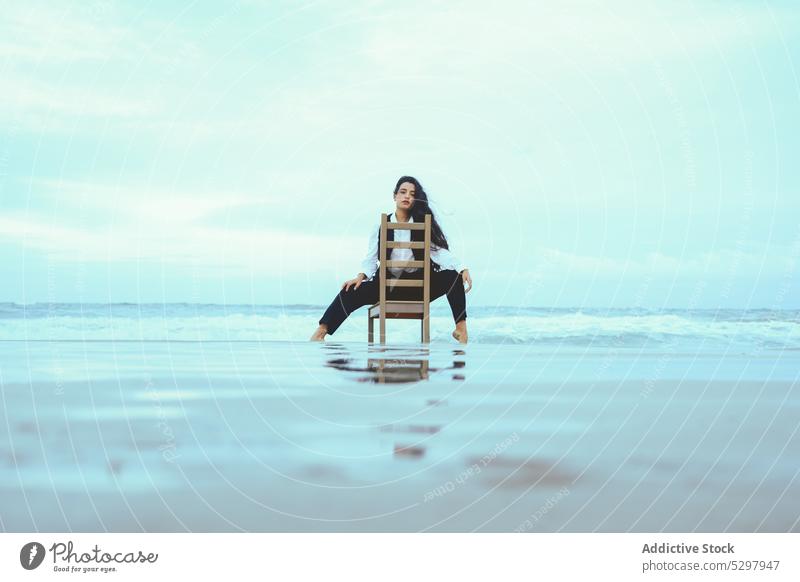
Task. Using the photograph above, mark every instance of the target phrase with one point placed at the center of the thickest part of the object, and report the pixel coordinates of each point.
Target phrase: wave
(633, 327)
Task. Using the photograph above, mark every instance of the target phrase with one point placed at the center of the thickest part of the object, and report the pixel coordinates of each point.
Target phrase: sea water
(734, 329)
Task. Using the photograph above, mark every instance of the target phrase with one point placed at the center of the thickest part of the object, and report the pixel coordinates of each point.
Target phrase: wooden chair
(391, 309)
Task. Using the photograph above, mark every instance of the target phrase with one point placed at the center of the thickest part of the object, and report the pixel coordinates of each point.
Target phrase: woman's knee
(451, 280)
(356, 297)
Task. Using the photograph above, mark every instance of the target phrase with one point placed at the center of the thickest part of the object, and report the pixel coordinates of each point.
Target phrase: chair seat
(399, 309)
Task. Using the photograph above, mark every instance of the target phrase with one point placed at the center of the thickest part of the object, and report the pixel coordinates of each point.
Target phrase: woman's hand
(355, 283)
(467, 280)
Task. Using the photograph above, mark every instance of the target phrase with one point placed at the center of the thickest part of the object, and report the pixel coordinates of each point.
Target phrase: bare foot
(460, 333)
(319, 334)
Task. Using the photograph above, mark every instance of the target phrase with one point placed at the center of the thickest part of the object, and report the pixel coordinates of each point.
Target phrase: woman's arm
(369, 265)
(445, 259)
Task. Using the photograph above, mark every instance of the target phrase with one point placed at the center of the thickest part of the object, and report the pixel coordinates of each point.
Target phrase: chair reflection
(397, 365)
(398, 370)
(407, 365)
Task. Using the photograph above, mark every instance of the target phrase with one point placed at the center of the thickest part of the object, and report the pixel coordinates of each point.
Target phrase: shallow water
(297, 436)
(674, 329)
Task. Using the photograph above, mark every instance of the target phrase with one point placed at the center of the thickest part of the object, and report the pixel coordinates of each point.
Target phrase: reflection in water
(408, 364)
(395, 365)
(409, 451)
(398, 370)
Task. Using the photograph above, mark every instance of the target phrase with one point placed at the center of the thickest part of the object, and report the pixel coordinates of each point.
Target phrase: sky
(577, 154)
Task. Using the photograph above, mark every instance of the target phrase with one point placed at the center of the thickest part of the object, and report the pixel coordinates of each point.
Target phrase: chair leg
(370, 329)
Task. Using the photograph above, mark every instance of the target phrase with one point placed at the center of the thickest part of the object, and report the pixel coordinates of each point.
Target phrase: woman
(447, 275)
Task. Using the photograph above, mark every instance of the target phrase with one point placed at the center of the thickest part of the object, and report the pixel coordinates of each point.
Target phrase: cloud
(55, 107)
(149, 203)
(61, 62)
(38, 32)
(108, 223)
(246, 251)
(720, 264)
(46, 34)
(558, 37)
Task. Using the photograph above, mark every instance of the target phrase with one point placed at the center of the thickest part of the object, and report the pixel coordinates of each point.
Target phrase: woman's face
(404, 199)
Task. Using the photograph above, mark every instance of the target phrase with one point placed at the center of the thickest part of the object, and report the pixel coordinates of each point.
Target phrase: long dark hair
(421, 207)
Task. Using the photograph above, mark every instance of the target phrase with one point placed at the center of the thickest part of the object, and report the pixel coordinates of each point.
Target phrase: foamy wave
(494, 326)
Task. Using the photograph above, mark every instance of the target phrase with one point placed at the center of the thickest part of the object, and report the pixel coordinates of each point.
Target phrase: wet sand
(283, 436)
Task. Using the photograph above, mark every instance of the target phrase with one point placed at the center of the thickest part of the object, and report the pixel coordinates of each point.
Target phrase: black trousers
(448, 282)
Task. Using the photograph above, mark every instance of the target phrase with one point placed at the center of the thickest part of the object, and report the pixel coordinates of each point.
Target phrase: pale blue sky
(578, 153)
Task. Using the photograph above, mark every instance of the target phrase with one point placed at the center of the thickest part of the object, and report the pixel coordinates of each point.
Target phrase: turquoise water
(634, 328)
(298, 436)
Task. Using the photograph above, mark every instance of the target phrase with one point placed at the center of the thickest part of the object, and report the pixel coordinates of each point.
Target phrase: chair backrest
(424, 264)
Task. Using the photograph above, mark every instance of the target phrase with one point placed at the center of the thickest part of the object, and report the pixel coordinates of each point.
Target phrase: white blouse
(441, 256)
